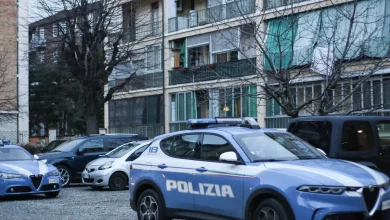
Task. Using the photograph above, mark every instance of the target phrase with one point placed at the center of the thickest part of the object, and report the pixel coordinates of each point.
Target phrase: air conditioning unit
(173, 45)
(193, 18)
(179, 5)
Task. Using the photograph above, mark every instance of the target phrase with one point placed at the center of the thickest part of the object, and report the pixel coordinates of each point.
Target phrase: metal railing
(216, 71)
(177, 126)
(148, 130)
(269, 4)
(211, 15)
(147, 81)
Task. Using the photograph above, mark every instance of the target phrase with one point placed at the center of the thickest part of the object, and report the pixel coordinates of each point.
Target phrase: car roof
(340, 118)
(230, 130)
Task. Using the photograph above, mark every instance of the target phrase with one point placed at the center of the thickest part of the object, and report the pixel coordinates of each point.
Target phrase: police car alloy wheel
(66, 176)
(270, 209)
(149, 206)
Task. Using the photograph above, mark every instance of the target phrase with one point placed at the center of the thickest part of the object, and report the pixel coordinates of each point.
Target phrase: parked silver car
(113, 168)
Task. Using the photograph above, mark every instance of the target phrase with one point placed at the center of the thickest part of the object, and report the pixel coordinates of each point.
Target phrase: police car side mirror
(321, 151)
(230, 157)
(36, 157)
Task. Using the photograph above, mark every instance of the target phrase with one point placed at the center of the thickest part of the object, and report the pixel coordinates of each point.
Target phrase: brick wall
(8, 50)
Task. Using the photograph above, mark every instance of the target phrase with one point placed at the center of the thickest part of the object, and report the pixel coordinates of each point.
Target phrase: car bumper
(25, 186)
(96, 178)
(350, 205)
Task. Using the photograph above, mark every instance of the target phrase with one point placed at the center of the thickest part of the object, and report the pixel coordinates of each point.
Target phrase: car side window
(137, 153)
(316, 133)
(357, 136)
(182, 146)
(91, 146)
(213, 146)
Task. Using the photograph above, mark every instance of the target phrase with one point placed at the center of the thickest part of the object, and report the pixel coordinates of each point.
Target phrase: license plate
(386, 205)
(86, 176)
(53, 181)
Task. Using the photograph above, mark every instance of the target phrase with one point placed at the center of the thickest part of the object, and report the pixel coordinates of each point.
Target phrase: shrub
(33, 148)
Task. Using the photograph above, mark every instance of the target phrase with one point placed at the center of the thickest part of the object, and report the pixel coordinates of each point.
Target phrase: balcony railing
(211, 15)
(141, 32)
(216, 71)
(147, 81)
(147, 130)
(269, 4)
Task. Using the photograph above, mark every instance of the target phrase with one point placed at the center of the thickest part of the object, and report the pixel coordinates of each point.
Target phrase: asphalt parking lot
(73, 203)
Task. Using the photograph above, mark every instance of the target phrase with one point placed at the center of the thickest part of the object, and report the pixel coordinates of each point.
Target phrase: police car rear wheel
(118, 181)
(149, 206)
(270, 209)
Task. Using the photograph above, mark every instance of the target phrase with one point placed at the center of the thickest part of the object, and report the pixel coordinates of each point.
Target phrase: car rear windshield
(68, 146)
(276, 146)
(122, 150)
(384, 133)
(11, 154)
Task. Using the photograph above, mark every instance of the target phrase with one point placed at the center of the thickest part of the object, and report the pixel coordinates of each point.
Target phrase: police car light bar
(218, 122)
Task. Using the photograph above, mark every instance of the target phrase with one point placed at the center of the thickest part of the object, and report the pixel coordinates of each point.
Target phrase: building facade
(210, 63)
(14, 72)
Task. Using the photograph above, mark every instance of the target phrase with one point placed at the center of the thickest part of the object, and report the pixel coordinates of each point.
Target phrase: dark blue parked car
(72, 156)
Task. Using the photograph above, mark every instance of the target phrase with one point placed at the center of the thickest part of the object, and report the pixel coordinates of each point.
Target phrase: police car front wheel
(149, 206)
(270, 209)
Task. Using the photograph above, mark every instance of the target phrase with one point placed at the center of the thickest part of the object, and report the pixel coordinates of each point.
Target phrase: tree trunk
(92, 119)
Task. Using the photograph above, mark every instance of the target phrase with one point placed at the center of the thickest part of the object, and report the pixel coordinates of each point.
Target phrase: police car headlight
(386, 185)
(44, 161)
(9, 176)
(105, 166)
(54, 173)
(322, 189)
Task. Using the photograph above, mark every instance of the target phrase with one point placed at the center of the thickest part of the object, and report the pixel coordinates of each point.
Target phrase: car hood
(100, 161)
(331, 172)
(53, 155)
(25, 167)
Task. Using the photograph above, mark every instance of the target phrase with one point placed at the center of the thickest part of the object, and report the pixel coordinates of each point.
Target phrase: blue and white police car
(231, 169)
(21, 174)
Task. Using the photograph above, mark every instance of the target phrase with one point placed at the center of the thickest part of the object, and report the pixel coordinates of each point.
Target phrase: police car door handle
(162, 166)
(201, 169)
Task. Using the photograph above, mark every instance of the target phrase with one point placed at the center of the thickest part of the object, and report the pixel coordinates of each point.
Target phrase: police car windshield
(122, 150)
(12, 154)
(68, 146)
(276, 146)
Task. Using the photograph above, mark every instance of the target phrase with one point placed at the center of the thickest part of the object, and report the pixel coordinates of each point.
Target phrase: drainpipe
(163, 61)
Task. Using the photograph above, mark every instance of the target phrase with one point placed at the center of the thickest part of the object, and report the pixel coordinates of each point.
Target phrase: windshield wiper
(308, 158)
(54, 151)
(268, 160)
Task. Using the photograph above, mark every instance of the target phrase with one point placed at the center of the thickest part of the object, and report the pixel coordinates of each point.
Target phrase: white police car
(232, 169)
(20, 174)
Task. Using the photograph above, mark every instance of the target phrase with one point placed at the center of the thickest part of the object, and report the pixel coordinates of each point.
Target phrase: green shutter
(280, 42)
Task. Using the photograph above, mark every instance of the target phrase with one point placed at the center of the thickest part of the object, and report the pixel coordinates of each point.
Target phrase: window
(41, 56)
(62, 28)
(42, 33)
(357, 136)
(92, 146)
(183, 146)
(153, 61)
(55, 30)
(137, 153)
(55, 56)
(198, 56)
(226, 57)
(384, 134)
(155, 18)
(316, 133)
(113, 143)
(213, 146)
(184, 106)
(238, 102)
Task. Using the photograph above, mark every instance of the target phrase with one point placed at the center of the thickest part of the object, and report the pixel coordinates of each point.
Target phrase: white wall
(23, 71)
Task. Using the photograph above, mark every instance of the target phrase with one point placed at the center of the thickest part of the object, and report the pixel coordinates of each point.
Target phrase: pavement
(74, 203)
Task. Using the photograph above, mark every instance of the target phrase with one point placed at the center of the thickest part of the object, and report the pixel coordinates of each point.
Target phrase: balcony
(216, 71)
(211, 15)
(270, 4)
(147, 81)
(37, 42)
(140, 33)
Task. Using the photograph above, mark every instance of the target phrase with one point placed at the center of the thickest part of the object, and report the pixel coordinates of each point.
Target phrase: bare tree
(95, 37)
(310, 59)
(8, 83)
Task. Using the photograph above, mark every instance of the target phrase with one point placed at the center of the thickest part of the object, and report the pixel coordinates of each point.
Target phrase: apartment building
(211, 63)
(14, 71)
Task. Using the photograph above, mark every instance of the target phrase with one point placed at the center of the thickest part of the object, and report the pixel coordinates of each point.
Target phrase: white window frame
(42, 33)
(156, 66)
(55, 30)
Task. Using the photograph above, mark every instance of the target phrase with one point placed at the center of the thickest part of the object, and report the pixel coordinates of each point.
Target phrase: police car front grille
(36, 180)
(370, 197)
